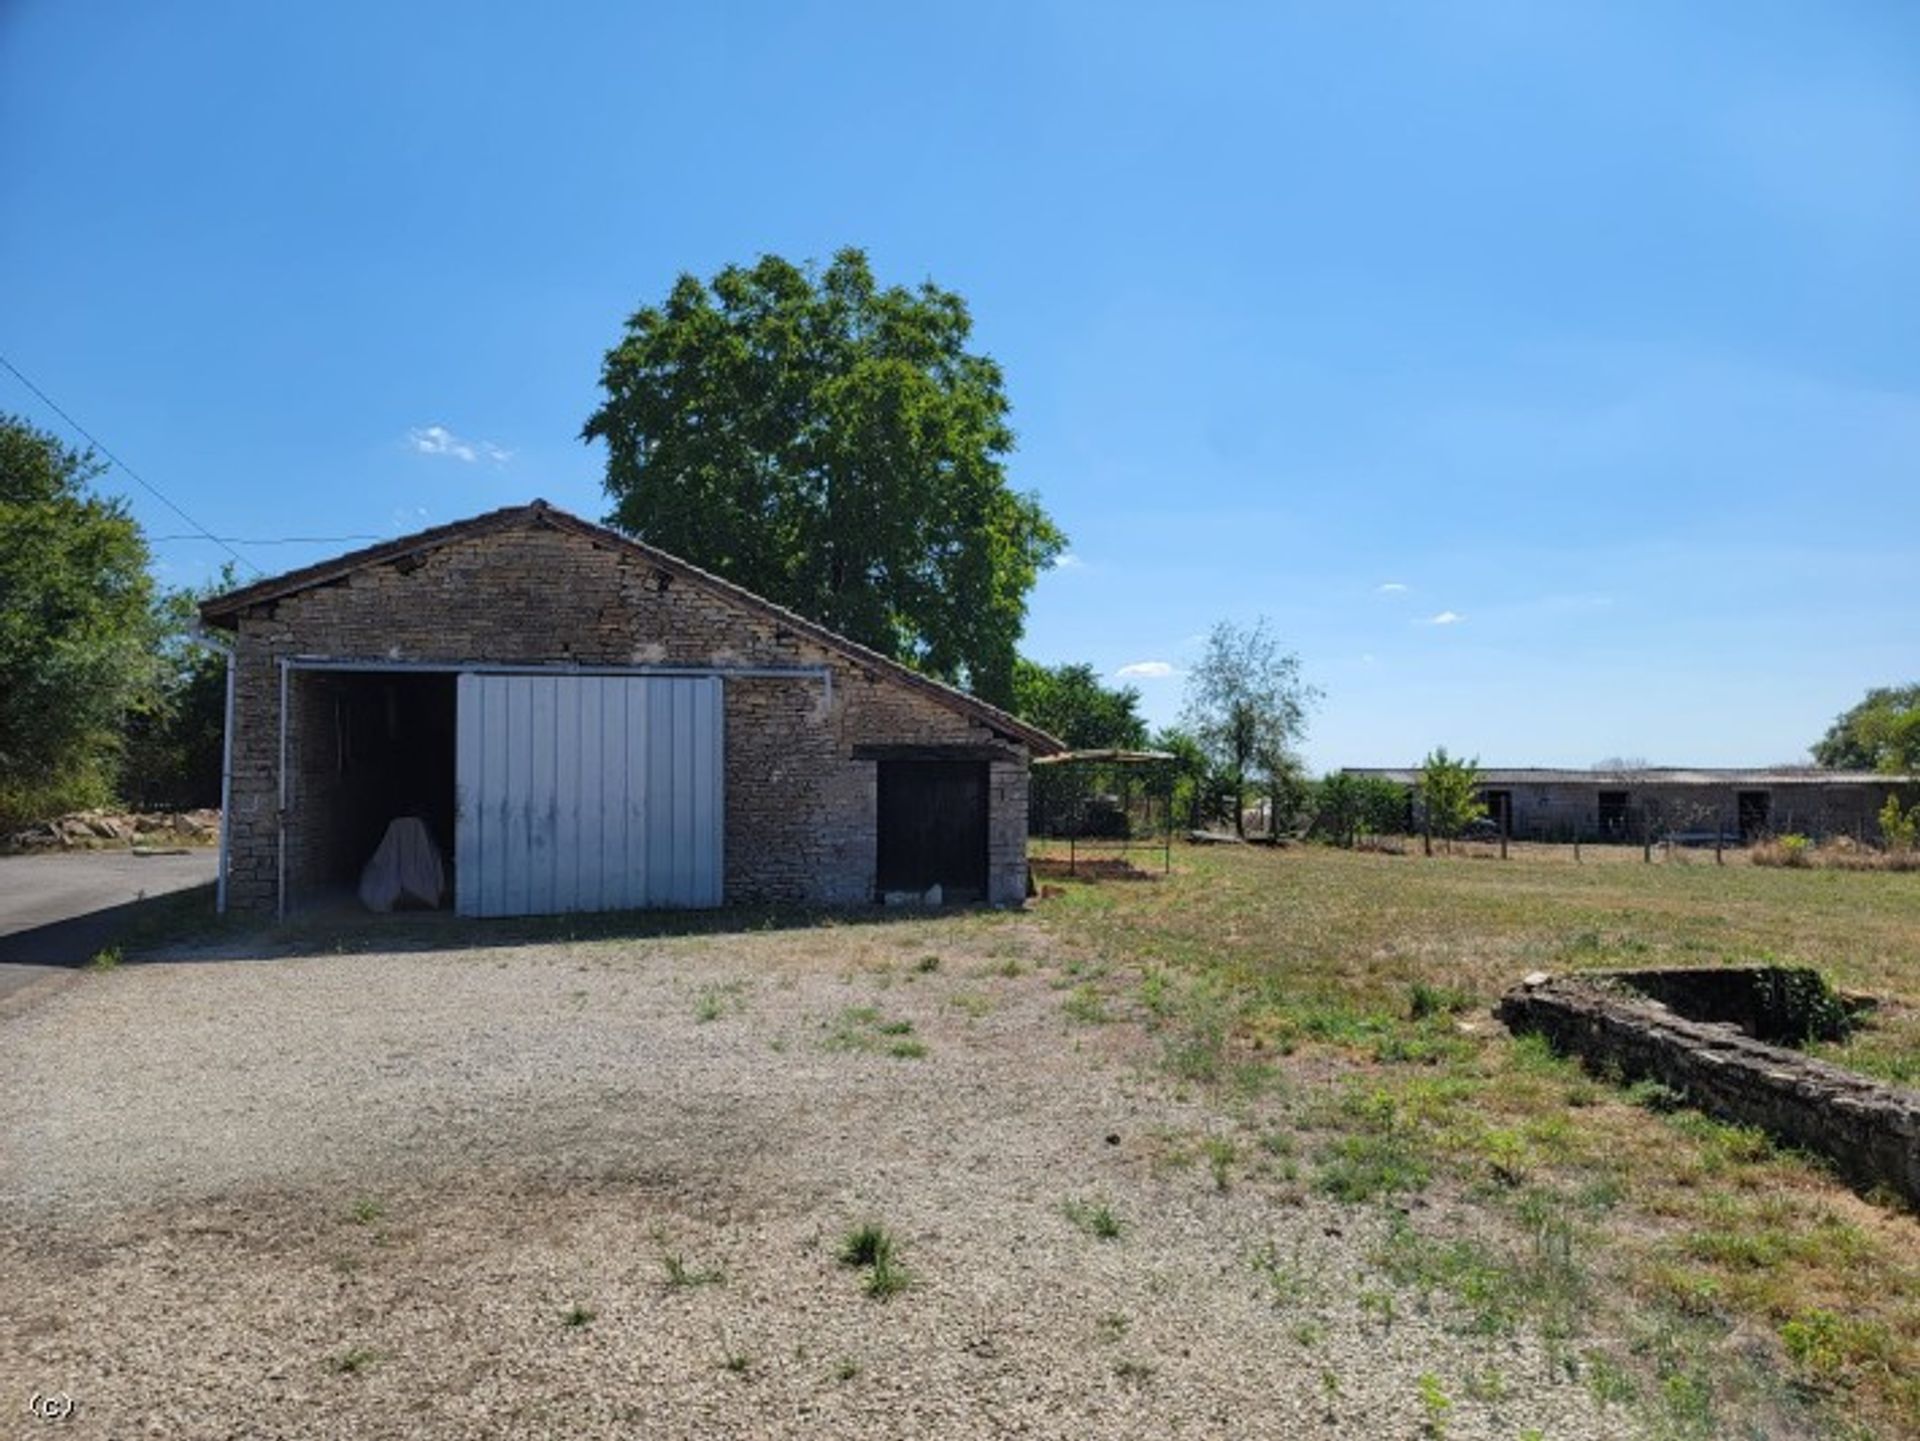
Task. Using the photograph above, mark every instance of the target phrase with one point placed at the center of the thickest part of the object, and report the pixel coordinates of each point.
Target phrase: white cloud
(438, 440)
(1146, 670)
(1392, 587)
(1067, 560)
(1446, 617)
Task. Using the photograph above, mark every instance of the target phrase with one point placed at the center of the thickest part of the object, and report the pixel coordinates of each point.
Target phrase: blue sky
(1547, 374)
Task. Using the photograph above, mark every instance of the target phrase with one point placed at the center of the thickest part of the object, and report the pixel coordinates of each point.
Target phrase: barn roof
(1768, 776)
(225, 610)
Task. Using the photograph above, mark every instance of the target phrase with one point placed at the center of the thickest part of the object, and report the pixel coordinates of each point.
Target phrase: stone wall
(800, 810)
(1869, 1130)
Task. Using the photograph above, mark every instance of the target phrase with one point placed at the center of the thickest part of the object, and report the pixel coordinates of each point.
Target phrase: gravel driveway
(598, 1190)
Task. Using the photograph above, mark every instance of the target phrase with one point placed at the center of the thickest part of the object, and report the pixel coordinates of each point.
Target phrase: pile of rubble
(102, 829)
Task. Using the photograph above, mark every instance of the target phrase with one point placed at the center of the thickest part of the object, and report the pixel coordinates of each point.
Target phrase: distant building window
(1613, 813)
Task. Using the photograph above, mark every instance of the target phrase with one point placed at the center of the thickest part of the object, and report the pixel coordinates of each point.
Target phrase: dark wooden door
(933, 827)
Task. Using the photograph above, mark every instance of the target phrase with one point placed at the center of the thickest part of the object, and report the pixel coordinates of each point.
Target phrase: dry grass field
(1714, 1284)
(1238, 1151)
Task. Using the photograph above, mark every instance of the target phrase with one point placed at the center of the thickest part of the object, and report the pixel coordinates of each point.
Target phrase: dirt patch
(1090, 868)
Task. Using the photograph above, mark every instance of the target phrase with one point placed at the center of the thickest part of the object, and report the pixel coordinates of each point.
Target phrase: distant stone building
(1543, 804)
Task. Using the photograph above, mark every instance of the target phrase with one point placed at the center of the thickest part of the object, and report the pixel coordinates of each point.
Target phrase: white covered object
(406, 865)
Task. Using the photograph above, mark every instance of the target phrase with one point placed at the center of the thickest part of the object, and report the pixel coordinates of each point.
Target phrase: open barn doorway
(933, 829)
(364, 748)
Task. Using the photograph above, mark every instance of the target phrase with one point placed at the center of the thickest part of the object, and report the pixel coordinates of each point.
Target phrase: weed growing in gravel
(1112, 1326)
(105, 959)
(1134, 1373)
(1435, 1402)
(972, 1004)
(1221, 1154)
(865, 1245)
(737, 1362)
(860, 1029)
(1378, 1305)
(681, 1276)
(1086, 1007)
(365, 1211)
(1286, 1278)
(868, 1247)
(1487, 1386)
(709, 1007)
(846, 1370)
(577, 1317)
(887, 1279)
(1095, 1218)
(927, 965)
(352, 1361)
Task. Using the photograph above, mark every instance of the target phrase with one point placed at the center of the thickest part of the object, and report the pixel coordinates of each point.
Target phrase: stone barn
(581, 722)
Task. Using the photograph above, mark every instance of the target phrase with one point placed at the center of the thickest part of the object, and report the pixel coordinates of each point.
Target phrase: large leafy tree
(1247, 706)
(1881, 733)
(76, 625)
(1069, 701)
(173, 735)
(835, 446)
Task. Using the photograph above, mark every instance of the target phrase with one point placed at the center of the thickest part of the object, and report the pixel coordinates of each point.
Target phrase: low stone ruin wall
(1869, 1130)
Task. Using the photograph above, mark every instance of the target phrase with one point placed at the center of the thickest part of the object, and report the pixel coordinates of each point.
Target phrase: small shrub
(1793, 852)
(365, 1211)
(105, 959)
(1900, 829)
(576, 1317)
(927, 965)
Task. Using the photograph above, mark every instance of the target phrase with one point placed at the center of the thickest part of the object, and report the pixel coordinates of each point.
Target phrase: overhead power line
(200, 530)
(262, 540)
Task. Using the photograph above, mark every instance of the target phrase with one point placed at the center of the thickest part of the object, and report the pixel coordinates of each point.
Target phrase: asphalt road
(59, 910)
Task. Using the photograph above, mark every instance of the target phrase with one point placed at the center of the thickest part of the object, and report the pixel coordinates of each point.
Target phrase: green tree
(1348, 807)
(1200, 792)
(834, 446)
(1446, 792)
(1881, 733)
(1069, 701)
(173, 735)
(76, 626)
(1246, 706)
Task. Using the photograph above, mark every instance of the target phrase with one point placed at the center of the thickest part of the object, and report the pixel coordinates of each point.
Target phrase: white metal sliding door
(587, 793)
